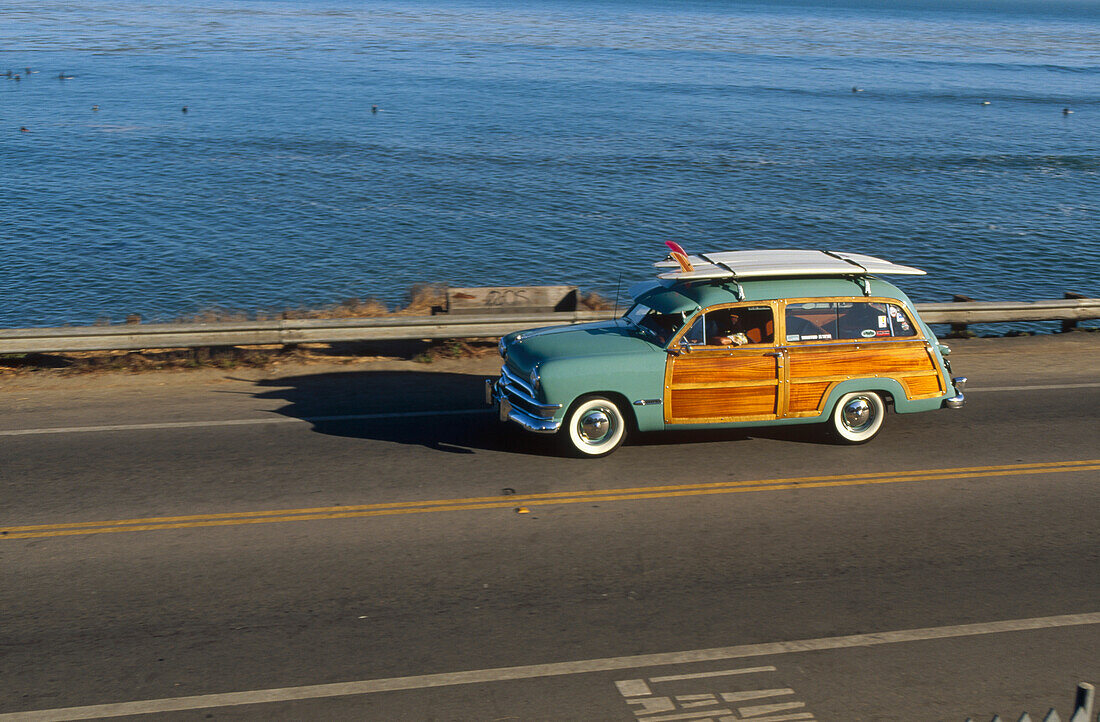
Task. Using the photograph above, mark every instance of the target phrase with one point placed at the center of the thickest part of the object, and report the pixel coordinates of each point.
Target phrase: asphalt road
(325, 544)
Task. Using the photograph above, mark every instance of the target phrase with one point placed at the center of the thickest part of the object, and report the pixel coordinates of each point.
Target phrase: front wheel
(594, 427)
(856, 418)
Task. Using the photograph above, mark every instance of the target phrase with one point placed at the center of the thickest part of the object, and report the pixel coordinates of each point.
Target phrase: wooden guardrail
(392, 328)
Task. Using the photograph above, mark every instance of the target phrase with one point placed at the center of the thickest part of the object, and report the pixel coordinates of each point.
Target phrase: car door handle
(776, 354)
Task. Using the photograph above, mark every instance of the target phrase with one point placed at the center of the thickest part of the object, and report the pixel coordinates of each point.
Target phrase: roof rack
(758, 264)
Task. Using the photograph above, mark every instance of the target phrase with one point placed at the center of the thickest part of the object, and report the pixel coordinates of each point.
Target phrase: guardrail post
(1071, 324)
(1082, 706)
(960, 330)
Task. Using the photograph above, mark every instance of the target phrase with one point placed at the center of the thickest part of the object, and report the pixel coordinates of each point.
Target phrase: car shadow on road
(437, 410)
(447, 412)
(798, 433)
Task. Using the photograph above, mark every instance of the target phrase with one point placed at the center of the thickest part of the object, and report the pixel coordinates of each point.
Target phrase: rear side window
(863, 319)
(847, 320)
(811, 321)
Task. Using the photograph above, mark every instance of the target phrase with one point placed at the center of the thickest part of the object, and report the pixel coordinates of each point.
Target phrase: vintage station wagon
(743, 338)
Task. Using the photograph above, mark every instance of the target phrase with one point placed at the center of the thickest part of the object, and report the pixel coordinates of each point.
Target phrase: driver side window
(735, 326)
(694, 335)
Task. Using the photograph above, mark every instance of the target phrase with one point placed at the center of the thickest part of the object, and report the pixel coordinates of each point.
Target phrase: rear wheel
(594, 427)
(856, 418)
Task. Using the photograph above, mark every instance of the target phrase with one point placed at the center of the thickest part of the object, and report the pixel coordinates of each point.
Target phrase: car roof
(667, 296)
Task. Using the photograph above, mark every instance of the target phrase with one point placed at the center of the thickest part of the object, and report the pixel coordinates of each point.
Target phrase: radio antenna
(617, 285)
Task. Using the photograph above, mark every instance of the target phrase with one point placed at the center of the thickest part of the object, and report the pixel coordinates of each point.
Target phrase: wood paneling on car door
(815, 368)
(722, 385)
(807, 396)
(858, 359)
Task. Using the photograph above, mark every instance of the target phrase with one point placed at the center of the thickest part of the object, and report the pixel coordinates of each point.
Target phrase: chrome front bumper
(515, 403)
(959, 399)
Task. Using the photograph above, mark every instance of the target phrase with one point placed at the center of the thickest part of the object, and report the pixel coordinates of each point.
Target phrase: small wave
(108, 128)
(1043, 162)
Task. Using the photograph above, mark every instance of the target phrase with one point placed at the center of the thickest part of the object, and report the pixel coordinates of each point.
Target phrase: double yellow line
(563, 497)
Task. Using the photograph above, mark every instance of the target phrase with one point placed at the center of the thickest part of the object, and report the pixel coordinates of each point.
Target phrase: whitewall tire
(857, 417)
(594, 427)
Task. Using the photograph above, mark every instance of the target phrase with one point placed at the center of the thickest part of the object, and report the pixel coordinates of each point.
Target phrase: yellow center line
(533, 497)
(573, 497)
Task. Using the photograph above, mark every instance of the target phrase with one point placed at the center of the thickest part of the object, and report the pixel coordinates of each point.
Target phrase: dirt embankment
(1043, 359)
(423, 301)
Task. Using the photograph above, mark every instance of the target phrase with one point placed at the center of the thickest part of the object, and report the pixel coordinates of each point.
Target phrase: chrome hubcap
(595, 426)
(857, 414)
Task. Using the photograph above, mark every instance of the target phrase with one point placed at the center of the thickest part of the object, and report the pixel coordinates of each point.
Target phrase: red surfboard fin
(679, 255)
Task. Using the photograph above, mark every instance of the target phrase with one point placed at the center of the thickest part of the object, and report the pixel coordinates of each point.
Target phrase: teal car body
(605, 357)
(653, 373)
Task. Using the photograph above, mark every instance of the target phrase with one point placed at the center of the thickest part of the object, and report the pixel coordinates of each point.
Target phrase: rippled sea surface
(558, 143)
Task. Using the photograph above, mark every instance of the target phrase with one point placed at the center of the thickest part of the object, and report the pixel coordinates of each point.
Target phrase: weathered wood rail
(394, 328)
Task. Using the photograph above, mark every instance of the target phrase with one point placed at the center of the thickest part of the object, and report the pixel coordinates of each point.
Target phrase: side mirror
(685, 346)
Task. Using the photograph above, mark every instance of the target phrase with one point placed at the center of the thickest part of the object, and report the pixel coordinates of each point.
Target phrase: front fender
(634, 377)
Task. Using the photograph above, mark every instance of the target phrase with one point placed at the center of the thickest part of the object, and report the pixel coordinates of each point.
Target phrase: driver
(727, 330)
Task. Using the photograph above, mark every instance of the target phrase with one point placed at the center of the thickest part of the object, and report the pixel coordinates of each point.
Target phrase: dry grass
(424, 297)
(235, 357)
(422, 300)
(456, 348)
(594, 302)
(144, 360)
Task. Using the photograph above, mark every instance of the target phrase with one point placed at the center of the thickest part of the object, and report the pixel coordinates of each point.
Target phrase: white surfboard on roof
(758, 264)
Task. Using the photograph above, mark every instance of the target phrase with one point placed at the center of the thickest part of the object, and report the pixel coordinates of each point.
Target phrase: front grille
(522, 396)
(511, 377)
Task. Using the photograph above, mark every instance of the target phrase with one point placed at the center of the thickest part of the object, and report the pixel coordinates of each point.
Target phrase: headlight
(534, 378)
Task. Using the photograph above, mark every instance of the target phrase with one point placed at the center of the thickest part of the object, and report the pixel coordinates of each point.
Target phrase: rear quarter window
(847, 320)
(812, 321)
(868, 319)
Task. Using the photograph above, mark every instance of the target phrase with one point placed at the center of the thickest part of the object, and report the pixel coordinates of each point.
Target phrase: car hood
(601, 338)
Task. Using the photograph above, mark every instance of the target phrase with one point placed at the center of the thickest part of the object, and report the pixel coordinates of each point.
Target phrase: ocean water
(553, 142)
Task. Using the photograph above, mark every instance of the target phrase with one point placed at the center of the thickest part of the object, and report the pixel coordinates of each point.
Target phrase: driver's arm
(734, 339)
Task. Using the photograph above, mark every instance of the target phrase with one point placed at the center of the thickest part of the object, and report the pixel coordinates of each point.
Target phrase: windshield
(658, 327)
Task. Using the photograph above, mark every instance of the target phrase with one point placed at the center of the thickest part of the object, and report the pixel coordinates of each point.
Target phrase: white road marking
(696, 700)
(502, 674)
(633, 688)
(1041, 387)
(757, 710)
(238, 422)
(704, 675)
(368, 417)
(686, 716)
(756, 694)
